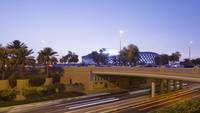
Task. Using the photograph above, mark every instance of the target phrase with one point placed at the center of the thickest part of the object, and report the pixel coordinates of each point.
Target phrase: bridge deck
(185, 74)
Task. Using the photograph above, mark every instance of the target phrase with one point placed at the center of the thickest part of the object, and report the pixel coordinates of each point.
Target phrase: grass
(41, 99)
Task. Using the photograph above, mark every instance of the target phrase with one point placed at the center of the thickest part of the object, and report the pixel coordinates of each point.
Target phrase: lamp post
(121, 32)
(190, 43)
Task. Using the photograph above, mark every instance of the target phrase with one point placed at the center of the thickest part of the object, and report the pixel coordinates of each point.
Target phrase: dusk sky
(162, 26)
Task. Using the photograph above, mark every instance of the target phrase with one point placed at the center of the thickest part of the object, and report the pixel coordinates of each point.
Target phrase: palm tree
(72, 57)
(100, 58)
(96, 58)
(64, 59)
(53, 60)
(69, 58)
(129, 55)
(30, 61)
(3, 60)
(45, 57)
(16, 44)
(19, 54)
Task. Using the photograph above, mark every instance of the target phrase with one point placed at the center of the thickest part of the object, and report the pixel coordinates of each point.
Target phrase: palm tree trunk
(22, 71)
(47, 68)
(3, 74)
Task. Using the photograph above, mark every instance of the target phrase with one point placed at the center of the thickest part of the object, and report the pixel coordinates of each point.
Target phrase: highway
(134, 102)
(92, 101)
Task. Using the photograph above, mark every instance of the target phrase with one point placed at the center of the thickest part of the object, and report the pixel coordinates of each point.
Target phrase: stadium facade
(144, 57)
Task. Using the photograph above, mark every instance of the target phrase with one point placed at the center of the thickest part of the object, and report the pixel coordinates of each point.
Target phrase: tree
(196, 61)
(4, 60)
(72, 57)
(69, 58)
(100, 58)
(64, 59)
(188, 63)
(53, 60)
(103, 56)
(19, 54)
(164, 59)
(175, 56)
(157, 60)
(30, 61)
(129, 55)
(45, 57)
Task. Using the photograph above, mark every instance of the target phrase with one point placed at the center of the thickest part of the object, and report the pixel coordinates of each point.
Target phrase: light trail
(94, 103)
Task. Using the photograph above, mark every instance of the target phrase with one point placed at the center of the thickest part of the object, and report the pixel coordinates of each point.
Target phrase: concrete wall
(22, 84)
(4, 84)
(79, 75)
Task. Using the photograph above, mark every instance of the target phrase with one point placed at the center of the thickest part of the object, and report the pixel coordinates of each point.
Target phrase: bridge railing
(150, 70)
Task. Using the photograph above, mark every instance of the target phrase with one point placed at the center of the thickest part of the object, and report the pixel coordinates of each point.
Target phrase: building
(147, 57)
(144, 57)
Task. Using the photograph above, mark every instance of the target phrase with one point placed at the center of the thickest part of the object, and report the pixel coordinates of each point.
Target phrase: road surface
(134, 102)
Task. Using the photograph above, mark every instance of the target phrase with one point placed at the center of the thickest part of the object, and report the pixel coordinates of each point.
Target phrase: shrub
(34, 92)
(36, 81)
(56, 79)
(13, 80)
(37, 92)
(55, 88)
(8, 95)
(55, 73)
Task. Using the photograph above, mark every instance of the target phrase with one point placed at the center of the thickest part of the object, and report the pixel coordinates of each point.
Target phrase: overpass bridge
(183, 74)
(175, 74)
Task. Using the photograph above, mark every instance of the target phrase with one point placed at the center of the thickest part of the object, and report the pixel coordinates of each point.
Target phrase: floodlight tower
(121, 32)
(190, 43)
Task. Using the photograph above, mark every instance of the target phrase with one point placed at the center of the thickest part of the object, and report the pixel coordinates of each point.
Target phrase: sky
(82, 26)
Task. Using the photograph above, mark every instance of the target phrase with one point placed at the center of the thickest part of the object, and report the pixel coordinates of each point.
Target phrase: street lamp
(121, 32)
(190, 43)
